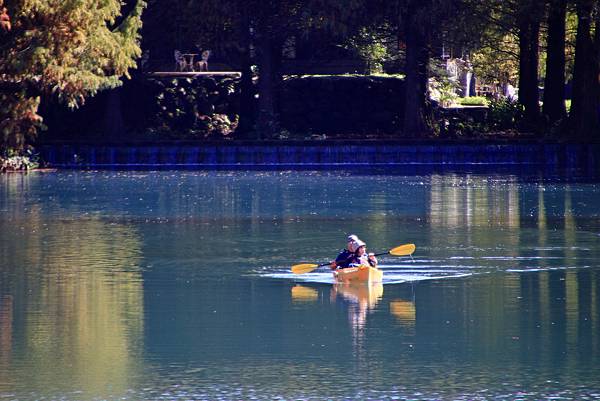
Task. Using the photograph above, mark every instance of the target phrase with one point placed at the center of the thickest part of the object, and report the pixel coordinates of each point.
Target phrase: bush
(189, 108)
(12, 160)
(504, 114)
(473, 101)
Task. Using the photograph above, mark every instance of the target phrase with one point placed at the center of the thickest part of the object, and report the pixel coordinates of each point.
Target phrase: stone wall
(326, 154)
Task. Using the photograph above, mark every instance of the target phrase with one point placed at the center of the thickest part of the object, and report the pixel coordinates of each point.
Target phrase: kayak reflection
(361, 299)
(366, 296)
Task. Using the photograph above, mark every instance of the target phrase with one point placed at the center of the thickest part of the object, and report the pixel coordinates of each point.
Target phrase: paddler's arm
(372, 259)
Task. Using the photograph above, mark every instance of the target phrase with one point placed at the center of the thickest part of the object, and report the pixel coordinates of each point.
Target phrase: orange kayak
(360, 274)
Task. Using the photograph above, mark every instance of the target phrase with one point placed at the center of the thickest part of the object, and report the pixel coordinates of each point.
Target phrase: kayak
(360, 274)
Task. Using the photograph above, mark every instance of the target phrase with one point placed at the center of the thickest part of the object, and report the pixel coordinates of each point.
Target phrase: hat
(352, 237)
(358, 243)
(354, 245)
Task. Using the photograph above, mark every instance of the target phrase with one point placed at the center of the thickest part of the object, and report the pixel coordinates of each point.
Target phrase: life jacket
(344, 258)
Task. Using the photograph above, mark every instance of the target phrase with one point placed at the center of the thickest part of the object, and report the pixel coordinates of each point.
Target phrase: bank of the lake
(581, 157)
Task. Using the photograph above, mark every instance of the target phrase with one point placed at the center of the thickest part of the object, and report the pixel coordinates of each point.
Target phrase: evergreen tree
(65, 49)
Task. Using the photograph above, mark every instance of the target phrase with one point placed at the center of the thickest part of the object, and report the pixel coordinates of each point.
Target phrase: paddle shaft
(377, 254)
(402, 250)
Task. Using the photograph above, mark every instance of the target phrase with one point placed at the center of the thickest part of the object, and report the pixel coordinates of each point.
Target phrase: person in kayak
(355, 254)
(343, 259)
(361, 257)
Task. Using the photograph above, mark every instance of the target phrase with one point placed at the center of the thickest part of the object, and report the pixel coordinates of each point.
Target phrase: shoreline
(321, 154)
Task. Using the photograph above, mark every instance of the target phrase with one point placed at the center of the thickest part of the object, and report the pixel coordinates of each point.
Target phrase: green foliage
(18, 160)
(441, 87)
(473, 101)
(497, 62)
(504, 114)
(461, 127)
(446, 90)
(568, 105)
(188, 110)
(370, 46)
(67, 50)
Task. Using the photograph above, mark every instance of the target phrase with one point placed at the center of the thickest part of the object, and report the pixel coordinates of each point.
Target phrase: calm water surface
(176, 286)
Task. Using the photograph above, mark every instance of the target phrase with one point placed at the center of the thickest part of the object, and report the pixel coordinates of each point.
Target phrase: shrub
(504, 114)
(12, 160)
(189, 108)
(474, 101)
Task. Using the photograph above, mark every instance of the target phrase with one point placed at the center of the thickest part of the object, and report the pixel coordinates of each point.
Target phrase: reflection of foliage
(191, 108)
(82, 299)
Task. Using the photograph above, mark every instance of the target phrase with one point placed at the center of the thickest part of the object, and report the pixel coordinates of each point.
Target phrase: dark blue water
(176, 286)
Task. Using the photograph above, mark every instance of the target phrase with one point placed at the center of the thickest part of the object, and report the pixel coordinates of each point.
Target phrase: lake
(176, 285)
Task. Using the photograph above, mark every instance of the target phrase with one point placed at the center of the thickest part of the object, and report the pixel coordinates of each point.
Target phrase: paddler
(352, 255)
(361, 257)
(343, 259)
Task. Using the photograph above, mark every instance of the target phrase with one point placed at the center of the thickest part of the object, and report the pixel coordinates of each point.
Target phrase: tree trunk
(269, 61)
(554, 84)
(584, 113)
(416, 103)
(529, 29)
(247, 117)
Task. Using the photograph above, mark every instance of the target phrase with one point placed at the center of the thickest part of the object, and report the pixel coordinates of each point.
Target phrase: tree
(425, 23)
(417, 24)
(554, 84)
(63, 50)
(529, 14)
(586, 89)
(254, 33)
(486, 31)
(511, 29)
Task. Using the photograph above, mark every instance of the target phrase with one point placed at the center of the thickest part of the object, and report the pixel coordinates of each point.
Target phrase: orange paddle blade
(403, 250)
(304, 268)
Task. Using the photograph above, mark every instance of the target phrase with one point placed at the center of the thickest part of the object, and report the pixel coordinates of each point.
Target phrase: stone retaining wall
(583, 157)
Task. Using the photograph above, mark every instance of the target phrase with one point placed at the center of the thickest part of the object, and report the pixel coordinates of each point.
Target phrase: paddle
(402, 250)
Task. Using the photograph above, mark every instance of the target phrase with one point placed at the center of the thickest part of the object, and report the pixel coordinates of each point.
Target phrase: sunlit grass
(473, 101)
(401, 76)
